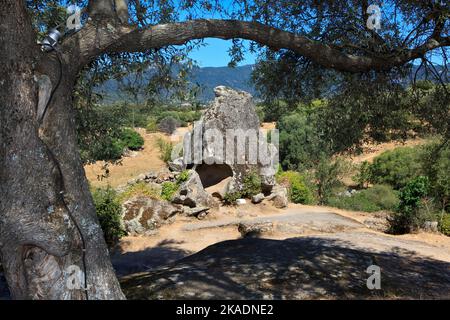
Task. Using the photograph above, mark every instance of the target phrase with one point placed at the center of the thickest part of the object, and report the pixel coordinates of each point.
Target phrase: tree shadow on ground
(164, 253)
(296, 268)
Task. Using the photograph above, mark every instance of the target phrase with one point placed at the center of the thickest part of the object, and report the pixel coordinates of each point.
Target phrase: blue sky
(215, 54)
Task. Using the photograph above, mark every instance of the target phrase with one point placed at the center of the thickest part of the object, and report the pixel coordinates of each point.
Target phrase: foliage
(328, 175)
(168, 190)
(362, 178)
(165, 148)
(183, 177)
(109, 211)
(168, 125)
(139, 189)
(131, 139)
(435, 162)
(376, 198)
(408, 216)
(396, 167)
(251, 184)
(231, 197)
(299, 190)
(300, 144)
(444, 224)
(151, 126)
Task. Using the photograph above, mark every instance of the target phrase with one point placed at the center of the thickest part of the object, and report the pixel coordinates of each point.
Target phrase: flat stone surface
(296, 268)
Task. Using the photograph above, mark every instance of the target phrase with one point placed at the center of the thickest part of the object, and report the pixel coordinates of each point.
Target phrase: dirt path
(312, 253)
(131, 166)
(186, 236)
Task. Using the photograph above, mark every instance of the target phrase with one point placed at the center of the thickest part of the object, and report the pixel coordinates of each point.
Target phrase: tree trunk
(50, 239)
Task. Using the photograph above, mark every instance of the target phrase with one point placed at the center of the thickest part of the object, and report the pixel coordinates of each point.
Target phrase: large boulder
(141, 215)
(230, 136)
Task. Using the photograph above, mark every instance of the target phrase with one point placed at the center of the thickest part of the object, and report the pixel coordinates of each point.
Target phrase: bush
(409, 217)
(168, 125)
(252, 185)
(299, 191)
(183, 176)
(168, 190)
(109, 214)
(328, 175)
(300, 143)
(231, 197)
(362, 178)
(131, 139)
(396, 167)
(377, 198)
(444, 224)
(139, 189)
(151, 126)
(435, 160)
(165, 148)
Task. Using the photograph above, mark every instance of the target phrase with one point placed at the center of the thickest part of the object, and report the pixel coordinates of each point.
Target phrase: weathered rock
(192, 194)
(258, 198)
(430, 226)
(164, 176)
(142, 214)
(195, 212)
(255, 229)
(177, 165)
(231, 120)
(279, 197)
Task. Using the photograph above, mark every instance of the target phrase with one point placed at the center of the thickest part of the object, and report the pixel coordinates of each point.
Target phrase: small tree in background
(409, 217)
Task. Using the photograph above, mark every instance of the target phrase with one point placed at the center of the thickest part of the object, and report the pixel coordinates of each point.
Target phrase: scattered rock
(279, 197)
(177, 165)
(240, 202)
(142, 214)
(192, 194)
(255, 229)
(258, 198)
(430, 226)
(195, 212)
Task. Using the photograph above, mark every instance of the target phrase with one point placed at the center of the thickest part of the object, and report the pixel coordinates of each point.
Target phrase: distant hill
(210, 77)
(237, 78)
(206, 78)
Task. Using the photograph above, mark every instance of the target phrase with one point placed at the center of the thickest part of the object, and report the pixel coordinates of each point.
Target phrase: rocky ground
(305, 253)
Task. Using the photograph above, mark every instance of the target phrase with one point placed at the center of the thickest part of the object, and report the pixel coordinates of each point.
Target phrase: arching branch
(96, 40)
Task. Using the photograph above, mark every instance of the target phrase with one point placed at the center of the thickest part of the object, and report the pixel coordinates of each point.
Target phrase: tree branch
(96, 40)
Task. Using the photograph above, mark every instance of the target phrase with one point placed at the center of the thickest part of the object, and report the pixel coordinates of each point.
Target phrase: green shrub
(109, 214)
(396, 167)
(409, 216)
(151, 126)
(299, 191)
(183, 176)
(362, 178)
(444, 224)
(300, 143)
(165, 148)
(139, 189)
(435, 160)
(231, 197)
(377, 198)
(131, 139)
(328, 175)
(252, 184)
(168, 190)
